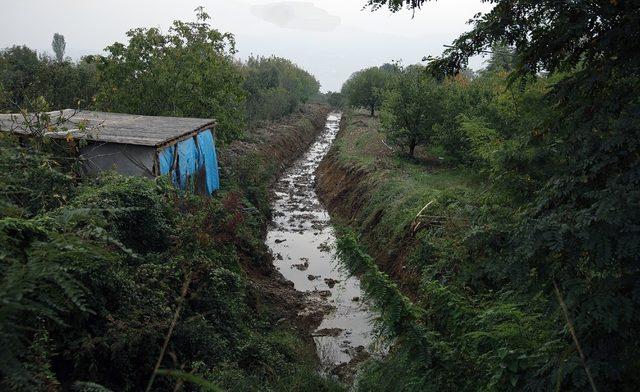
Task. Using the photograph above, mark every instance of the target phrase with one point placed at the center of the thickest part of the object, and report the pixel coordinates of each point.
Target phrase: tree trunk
(412, 147)
(373, 110)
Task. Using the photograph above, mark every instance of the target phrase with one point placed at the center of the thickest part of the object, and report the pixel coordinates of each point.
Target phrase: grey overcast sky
(329, 38)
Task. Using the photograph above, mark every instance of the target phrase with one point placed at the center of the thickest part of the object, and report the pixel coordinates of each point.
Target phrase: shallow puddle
(303, 243)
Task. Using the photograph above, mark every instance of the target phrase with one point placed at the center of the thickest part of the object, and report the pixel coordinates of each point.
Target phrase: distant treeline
(26, 75)
(189, 71)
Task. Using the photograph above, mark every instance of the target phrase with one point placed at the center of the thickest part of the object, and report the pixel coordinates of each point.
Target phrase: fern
(449, 341)
(37, 286)
(399, 317)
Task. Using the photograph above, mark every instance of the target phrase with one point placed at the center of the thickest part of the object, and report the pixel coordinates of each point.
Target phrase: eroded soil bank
(271, 149)
(302, 240)
(345, 187)
(276, 145)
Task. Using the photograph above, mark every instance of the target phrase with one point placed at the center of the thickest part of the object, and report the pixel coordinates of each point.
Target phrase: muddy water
(303, 243)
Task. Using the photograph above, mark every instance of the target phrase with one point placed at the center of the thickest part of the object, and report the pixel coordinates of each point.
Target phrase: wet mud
(302, 241)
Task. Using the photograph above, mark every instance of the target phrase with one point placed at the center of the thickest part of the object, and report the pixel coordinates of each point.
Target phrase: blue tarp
(165, 158)
(207, 146)
(197, 163)
(187, 161)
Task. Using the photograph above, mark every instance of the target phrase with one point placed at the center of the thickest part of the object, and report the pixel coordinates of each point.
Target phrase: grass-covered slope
(379, 193)
(460, 310)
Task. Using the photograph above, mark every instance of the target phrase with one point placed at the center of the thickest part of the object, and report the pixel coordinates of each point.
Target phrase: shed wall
(124, 158)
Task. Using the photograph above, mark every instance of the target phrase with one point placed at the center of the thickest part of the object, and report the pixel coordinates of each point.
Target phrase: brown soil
(303, 312)
(345, 188)
(347, 371)
(280, 143)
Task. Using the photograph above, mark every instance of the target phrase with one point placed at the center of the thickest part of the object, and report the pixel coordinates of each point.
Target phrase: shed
(183, 148)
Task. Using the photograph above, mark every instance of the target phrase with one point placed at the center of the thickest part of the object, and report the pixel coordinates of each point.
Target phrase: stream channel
(302, 241)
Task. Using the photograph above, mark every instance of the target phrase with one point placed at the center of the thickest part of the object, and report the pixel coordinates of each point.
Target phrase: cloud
(296, 15)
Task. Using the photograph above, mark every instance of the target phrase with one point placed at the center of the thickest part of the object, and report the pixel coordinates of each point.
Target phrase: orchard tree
(275, 87)
(27, 76)
(410, 109)
(19, 70)
(69, 84)
(366, 87)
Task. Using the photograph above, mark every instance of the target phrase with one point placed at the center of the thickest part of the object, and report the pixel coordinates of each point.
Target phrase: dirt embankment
(346, 188)
(278, 144)
(268, 150)
(343, 188)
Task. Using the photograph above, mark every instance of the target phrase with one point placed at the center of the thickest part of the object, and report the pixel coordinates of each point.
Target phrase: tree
(19, 69)
(275, 87)
(27, 77)
(58, 45)
(410, 108)
(547, 35)
(578, 238)
(187, 72)
(501, 59)
(365, 88)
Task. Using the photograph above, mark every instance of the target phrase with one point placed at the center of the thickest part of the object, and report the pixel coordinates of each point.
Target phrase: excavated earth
(299, 280)
(345, 189)
(303, 241)
(280, 144)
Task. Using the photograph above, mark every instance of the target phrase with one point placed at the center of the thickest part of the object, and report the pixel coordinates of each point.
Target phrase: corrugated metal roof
(114, 127)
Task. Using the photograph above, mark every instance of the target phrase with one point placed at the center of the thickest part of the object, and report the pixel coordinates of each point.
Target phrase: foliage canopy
(365, 88)
(410, 108)
(187, 72)
(275, 87)
(58, 45)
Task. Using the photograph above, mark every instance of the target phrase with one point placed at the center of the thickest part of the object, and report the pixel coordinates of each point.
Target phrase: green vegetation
(460, 321)
(189, 71)
(95, 272)
(275, 87)
(411, 108)
(125, 283)
(59, 45)
(526, 279)
(500, 210)
(364, 88)
(25, 76)
(335, 99)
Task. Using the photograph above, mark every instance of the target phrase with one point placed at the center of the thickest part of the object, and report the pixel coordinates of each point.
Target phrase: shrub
(134, 208)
